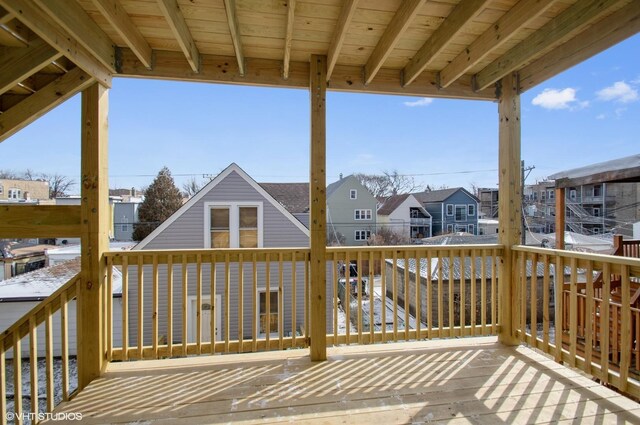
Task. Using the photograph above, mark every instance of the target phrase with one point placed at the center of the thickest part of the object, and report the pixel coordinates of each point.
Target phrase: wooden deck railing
(163, 316)
(166, 298)
(415, 292)
(598, 326)
(31, 326)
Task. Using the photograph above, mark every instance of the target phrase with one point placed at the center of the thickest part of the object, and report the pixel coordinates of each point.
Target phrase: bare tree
(388, 183)
(430, 188)
(9, 174)
(58, 184)
(191, 187)
(385, 236)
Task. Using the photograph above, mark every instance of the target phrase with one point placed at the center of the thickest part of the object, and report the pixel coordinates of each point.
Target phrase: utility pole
(523, 237)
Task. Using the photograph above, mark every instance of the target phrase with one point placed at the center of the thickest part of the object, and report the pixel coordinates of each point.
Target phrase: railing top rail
(223, 251)
(22, 325)
(598, 258)
(418, 248)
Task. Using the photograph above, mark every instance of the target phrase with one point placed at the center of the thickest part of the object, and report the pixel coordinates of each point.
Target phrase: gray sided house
(351, 211)
(452, 210)
(125, 215)
(231, 211)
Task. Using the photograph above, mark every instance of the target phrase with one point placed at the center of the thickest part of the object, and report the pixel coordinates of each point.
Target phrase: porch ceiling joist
(18, 63)
(234, 30)
(43, 101)
(268, 72)
(346, 15)
(522, 13)
(288, 38)
(72, 17)
(396, 28)
(118, 18)
(51, 32)
(566, 25)
(611, 30)
(180, 30)
(39, 221)
(463, 13)
(12, 33)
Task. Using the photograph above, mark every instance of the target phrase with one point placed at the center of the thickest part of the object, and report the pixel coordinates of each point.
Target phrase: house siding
(188, 232)
(440, 219)
(340, 210)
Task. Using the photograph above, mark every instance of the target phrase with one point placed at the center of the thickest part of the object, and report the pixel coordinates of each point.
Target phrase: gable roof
(391, 203)
(293, 196)
(335, 185)
(440, 195)
(232, 168)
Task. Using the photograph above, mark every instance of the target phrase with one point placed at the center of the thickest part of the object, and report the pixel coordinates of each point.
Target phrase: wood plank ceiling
(51, 49)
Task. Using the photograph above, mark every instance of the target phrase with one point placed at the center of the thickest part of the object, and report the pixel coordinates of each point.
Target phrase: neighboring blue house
(452, 210)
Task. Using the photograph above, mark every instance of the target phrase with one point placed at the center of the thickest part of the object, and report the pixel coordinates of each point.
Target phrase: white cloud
(420, 102)
(619, 92)
(557, 99)
(600, 116)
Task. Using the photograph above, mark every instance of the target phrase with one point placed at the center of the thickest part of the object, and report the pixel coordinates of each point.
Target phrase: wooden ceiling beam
(56, 36)
(12, 32)
(497, 34)
(268, 73)
(73, 18)
(180, 30)
(398, 25)
(463, 13)
(118, 18)
(43, 101)
(344, 20)
(563, 27)
(611, 30)
(18, 63)
(288, 38)
(234, 30)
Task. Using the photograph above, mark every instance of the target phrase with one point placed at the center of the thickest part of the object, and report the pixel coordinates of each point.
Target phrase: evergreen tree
(161, 199)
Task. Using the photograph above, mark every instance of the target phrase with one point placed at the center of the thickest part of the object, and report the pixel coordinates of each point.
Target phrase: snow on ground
(42, 383)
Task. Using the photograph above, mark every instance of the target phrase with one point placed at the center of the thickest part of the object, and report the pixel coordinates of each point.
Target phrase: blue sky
(588, 114)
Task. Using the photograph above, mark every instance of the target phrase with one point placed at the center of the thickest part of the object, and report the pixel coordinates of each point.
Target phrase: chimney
(133, 191)
(340, 176)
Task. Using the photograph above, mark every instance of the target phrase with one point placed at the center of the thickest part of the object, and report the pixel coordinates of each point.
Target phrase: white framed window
(471, 229)
(596, 231)
(551, 194)
(461, 213)
(364, 214)
(14, 194)
(362, 235)
(543, 195)
(449, 228)
(597, 190)
(449, 209)
(353, 194)
(572, 194)
(596, 212)
(461, 227)
(233, 225)
(471, 209)
(268, 312)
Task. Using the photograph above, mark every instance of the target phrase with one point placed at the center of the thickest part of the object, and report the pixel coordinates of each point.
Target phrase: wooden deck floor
(474, 380)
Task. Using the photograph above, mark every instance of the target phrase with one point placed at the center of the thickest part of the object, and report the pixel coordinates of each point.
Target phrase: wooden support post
(560, 217)
(318, 198)
(95, 222)
(509, 200)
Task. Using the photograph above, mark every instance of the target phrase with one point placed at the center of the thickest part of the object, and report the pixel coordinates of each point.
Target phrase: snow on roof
(75, 249)
(41, 283)
(616, 170)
